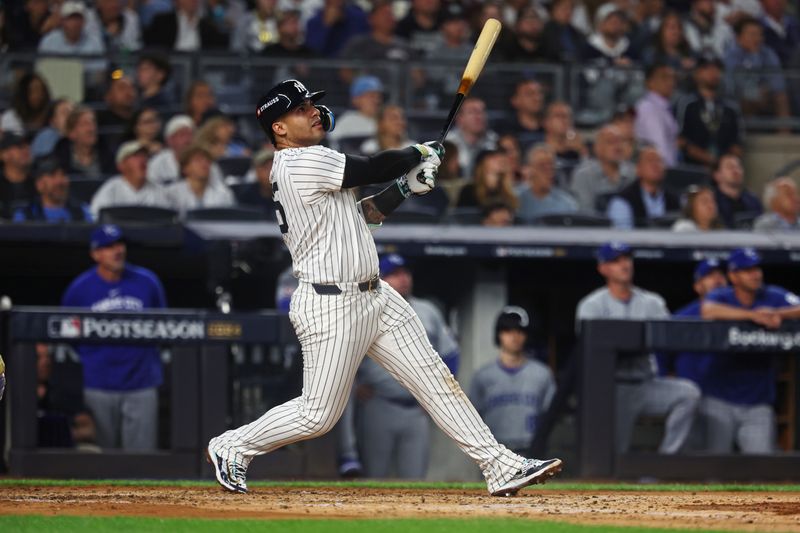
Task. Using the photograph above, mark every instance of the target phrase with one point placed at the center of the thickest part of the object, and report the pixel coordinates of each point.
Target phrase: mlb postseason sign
(38, 324)
(718, 336)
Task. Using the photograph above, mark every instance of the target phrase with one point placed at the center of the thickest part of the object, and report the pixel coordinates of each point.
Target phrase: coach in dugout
(739, 390)
(120, 381)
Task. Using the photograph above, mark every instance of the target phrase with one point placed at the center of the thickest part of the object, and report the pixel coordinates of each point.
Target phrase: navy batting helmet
(510, 317)
(283, 98)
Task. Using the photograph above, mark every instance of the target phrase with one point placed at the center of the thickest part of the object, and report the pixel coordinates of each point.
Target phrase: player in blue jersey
(120, 381)
(739, 390)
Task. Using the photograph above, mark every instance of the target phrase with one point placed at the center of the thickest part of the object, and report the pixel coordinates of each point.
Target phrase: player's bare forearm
(370, 211)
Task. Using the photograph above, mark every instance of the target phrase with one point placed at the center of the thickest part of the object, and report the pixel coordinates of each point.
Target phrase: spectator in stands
(707, 34)
(526, 44)
(491, 183)
(289, 43)
(526, 123)
(645, 198)
(781, 30)
(53, 203)
(451, 46)
(131, 186)
(186, 29)
(739, 391)
(199, 101)
(699, 211)
(218, 134)
(450, 178)
(56, 127)
(560, 135)
(709, 126)
(335, 23)
(163, 168)
(29, 106)
(72, 37)
(23, 32)
(471, 133)
(638, 390)
(624, 119)
(120, 99)
(562, 42)
(118, 26)
(655, 123)
(515, 389)
(509, 143)
(120, 382)
(751, 73)
(782, 203)
(392, 131)
(608, 45)
(257, 29)
(645, 22)
(669, 45)
(258, 193)
(497, 215)
(421, 24)
(81, 151)
(16, 186)
(152, 74)
(380, 42)
(541, 196)
(597, 178)
(226, 14)
(361, 121)
(735, 203)
(198, 189)
(145, 127)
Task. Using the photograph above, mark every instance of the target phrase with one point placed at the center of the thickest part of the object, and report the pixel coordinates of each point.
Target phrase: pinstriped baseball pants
(335, 332)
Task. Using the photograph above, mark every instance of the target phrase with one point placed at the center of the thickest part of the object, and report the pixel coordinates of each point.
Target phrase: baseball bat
(483, 47)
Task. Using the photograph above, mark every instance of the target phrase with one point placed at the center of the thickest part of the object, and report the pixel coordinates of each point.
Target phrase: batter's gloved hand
(437, 147)
(421, 179)
(429, 153)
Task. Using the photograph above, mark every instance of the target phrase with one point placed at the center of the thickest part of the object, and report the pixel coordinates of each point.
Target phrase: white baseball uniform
(337, 322)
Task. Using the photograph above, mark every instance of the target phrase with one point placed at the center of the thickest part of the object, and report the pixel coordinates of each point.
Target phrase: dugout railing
(602, 342)
(199, 396)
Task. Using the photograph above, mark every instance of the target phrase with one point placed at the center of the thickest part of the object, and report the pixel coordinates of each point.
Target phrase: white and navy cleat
(230, 467)
(533, 471)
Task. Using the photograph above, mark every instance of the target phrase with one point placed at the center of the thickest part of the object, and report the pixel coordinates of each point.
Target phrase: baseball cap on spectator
(743, 258)
(128, 149)
(177, 123)
(390, 263)
(42, 166)
(613, 250)
(605, 11)
(287, 12)
(262, 156)
(707, 60)
(486, 152)
(9, 140)
(454, 12)
(73, 7)
(365, 84)
(706, 267)
(106, 235)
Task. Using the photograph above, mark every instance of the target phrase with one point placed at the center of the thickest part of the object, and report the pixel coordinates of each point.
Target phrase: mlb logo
(64, 327)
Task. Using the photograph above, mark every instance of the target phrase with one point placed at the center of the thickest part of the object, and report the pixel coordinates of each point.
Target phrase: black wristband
(389, 199)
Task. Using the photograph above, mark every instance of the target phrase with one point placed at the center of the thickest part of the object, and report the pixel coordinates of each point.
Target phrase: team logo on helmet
(300, 87)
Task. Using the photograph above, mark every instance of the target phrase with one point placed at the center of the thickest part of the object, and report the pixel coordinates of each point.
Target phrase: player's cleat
(230, 467)
(350, 468)
(533, 471)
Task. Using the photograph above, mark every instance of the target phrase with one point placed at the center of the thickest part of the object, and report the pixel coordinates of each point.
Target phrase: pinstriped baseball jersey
(327, 237)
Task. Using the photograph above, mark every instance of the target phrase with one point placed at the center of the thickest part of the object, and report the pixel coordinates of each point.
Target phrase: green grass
(69, 524)
(422, 485)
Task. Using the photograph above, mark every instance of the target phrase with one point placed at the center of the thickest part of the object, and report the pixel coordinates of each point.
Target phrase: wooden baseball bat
(483, 47)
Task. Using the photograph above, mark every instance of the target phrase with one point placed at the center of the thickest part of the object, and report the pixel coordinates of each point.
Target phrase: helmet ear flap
(327, 117)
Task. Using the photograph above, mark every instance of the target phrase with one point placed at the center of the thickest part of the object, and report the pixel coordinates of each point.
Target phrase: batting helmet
(510, 317)
(283, 98)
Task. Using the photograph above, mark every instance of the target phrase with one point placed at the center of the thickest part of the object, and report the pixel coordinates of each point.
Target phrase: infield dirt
(757, 511)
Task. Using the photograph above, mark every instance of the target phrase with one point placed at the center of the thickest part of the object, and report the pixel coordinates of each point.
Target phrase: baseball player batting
(341, 309)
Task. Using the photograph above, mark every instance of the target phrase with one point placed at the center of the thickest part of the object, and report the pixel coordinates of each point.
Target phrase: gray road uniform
(393, 428)
(511, 400)
(638, 389)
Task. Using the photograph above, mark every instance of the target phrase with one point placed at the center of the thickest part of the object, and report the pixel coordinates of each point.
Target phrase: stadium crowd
(667, 153)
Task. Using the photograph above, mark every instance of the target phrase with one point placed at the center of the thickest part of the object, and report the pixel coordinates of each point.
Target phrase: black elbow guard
(327, 117)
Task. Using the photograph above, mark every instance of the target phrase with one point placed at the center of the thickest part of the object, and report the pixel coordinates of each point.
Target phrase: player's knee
(319, 423)
(690, 393)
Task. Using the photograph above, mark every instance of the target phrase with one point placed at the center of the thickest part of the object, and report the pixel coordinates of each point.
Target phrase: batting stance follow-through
(341, 309)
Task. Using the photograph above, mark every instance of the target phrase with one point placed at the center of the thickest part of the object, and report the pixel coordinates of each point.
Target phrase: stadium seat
(83, 189)
(234, 166)
(226, 213)
(408, 213)
(465, 216)
(677, 179)
(566, 220)
(664, 222)
(744, 220)
(140, 214)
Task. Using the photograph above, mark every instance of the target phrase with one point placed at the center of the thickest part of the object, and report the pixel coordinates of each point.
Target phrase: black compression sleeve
(388, 199)
(383, 166)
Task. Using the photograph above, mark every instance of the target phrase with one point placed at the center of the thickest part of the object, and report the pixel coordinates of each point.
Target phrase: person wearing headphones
(512, 392)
